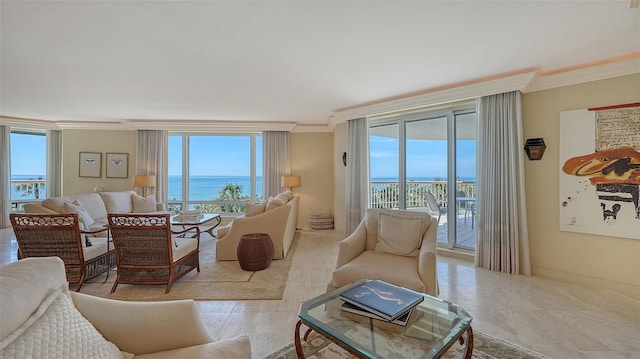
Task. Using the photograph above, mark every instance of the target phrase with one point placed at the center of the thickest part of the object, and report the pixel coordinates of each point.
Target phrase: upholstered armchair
(396, 246)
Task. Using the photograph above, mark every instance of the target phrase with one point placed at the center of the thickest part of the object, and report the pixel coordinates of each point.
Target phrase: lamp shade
(144, 181)
(291, 181)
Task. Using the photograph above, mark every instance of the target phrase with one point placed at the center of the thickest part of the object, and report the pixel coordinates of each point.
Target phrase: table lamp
(144, 181)
(291, 182)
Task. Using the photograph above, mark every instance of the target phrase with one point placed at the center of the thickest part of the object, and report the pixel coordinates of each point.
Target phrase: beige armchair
(396, 246)
(279, 223)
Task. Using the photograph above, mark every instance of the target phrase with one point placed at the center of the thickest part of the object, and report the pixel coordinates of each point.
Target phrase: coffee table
(191, 221)
(440, 325)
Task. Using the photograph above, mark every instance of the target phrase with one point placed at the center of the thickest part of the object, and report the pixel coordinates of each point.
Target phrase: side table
(255, 251)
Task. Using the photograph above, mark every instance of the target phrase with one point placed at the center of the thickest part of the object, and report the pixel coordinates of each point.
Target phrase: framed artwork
(90, 164)
(117, 165)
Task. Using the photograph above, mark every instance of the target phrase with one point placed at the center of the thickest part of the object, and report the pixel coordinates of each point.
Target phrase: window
(28, 166)
(431, 152)
(214, 173)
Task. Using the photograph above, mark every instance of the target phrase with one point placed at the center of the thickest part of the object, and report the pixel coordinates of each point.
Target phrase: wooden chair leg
(113, 289)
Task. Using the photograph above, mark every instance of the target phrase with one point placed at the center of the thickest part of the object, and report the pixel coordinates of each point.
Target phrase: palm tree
(230, 192)
(32, 188)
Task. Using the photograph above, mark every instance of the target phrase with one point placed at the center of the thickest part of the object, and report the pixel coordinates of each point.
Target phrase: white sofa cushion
(93, 203)
(143, 204)
(118, 202)
(58, 330)
(83, 215)
(255, 209)
(24, 285)
(56, 203)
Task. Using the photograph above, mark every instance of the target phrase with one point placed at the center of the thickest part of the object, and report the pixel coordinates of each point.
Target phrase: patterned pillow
(58, 330)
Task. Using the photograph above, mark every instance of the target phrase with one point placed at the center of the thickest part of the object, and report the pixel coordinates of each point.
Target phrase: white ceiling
(280, 61)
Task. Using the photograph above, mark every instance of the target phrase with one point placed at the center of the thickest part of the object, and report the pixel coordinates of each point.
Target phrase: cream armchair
(279, 223)
(396, 246)
(40, 316)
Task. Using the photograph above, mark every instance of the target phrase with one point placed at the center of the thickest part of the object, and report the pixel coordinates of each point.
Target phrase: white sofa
(92, 208)
(42, 319)
(277, 217)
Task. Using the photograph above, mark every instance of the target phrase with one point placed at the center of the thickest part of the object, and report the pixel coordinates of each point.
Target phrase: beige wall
(76, 141)
(312, 159)
(602, 261)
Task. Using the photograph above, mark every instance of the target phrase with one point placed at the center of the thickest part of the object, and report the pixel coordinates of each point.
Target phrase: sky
(28, 155)
(229, 156)
(425, 158)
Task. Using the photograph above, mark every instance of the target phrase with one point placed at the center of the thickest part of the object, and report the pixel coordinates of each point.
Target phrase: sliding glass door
(427, 162)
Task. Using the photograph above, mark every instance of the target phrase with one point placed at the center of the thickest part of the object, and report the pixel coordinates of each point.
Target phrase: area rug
(484, 347)
(223, 280)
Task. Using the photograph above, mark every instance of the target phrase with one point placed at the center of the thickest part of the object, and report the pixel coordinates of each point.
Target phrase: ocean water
(201, 187)
(208, 187)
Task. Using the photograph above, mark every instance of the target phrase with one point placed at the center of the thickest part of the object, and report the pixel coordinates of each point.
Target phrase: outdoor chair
(434, 208)
(395, 246)
(46, 235)
(148, 251)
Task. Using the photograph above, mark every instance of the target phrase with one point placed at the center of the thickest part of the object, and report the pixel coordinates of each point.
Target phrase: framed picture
(117, 165)
(90, 164)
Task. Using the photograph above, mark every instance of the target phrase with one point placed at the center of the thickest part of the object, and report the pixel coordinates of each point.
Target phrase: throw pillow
(83, 215)
(255, 209)
(57, 329)
(399, 235)
(143, 204)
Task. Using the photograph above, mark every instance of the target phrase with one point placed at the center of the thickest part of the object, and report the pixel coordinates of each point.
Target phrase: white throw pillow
(255, 209)
(143, 204)
(58, 330)
(399, 235)
(83, 215)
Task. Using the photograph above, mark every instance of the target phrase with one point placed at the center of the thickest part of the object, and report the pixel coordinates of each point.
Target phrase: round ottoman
(255, 251)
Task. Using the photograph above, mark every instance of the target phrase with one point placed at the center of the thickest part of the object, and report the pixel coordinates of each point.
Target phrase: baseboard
(457, 253)
(625, 288)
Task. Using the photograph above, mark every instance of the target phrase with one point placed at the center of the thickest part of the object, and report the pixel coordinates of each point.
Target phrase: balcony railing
(27, 191)
(386, 194)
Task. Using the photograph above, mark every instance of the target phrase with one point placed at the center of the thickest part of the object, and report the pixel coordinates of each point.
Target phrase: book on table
(383, 299)
(401, 320)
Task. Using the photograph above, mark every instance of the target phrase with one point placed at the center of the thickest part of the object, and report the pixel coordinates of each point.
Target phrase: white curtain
(503, 243)
(357, 171)
(152, 160)
(275, 161)
(54, 163)
(5, 175)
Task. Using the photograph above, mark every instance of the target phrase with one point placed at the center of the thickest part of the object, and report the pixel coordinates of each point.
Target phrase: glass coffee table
(438, 326)
(190, 221)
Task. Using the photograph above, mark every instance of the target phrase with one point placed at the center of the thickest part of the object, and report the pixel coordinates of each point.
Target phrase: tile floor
(559, 319)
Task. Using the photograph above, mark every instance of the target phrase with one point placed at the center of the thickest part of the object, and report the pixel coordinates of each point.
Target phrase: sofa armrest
(427, 258)
(352, 246)
(160, 206)
(144, 327)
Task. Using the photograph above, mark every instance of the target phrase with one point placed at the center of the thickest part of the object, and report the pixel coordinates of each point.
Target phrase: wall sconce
(344, 158)
(534, 147)
(290, 182)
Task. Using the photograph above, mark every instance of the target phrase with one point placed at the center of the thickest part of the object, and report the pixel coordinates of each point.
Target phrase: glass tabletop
(437, 324)
(191, 220)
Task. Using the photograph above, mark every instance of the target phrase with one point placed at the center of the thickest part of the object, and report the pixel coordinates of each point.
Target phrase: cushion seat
(386, 265)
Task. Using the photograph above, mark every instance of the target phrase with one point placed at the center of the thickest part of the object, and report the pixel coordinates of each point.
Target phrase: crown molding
(454, 93)
(573, 76)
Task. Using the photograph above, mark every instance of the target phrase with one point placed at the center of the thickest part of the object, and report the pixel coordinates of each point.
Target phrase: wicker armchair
(147, 251)
(46, 235)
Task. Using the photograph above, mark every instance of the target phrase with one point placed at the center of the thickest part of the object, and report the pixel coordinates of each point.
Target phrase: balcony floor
(466, 236)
